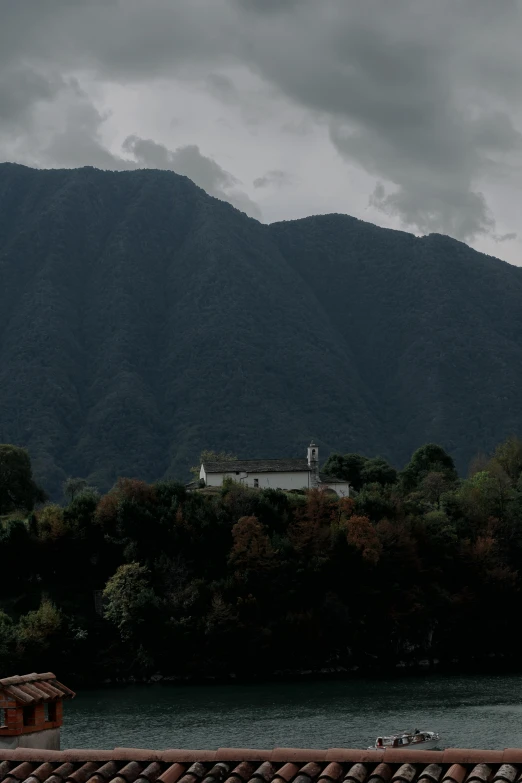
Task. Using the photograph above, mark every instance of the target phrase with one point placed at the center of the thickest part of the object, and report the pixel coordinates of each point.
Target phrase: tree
(129, 597)
(36, 628)
(509, 456)
(51, 523)
(72, 486)
(348, 467)
(361, 534)
(378, 471)
(434, 485)
(251, 549)
(18, 489)
(7, 639)
(429, 458)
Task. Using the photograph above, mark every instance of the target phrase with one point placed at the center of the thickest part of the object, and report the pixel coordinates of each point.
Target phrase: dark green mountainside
(142, 320)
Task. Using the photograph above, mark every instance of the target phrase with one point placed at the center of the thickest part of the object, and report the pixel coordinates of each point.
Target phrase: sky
(405, 113)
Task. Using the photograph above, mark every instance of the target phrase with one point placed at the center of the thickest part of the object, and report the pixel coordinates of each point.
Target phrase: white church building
(286, 474)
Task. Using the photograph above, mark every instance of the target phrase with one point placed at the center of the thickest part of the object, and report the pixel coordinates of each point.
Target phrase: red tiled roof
(30, 689)
(282, 765)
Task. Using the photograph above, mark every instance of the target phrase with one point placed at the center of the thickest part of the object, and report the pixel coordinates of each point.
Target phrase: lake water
(470, 712)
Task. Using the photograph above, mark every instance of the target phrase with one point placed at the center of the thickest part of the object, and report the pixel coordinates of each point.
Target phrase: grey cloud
(222, 87)
(21, 88)
(420, 94)
(388, 85)
(435, 210)
(188, 160)
(268, 6)
(276, 177)
(505, 237)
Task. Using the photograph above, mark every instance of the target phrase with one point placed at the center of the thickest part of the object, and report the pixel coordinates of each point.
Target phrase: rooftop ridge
(249, 765)
(346, 755)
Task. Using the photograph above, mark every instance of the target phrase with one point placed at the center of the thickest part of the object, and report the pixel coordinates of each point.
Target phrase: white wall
(343, 490)
(291, 480)
(48, 739)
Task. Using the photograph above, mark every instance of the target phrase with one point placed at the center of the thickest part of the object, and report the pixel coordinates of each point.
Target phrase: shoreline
(489, 666)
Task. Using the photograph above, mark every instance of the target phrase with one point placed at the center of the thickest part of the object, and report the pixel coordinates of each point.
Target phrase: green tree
(18, 489)
(428, 459)
(348, 467)
(378, 471)
(36, 629)
(509, 456)
(73, 486)
(129, 597)
(7, 640)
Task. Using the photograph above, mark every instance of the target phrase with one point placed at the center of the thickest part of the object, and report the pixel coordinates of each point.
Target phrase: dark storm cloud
(20, 89)
(418, 93)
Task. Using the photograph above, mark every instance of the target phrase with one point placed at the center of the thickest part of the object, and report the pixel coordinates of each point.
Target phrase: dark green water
(472, 712)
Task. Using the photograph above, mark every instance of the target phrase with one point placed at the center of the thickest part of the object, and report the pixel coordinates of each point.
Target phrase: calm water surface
(469, 712)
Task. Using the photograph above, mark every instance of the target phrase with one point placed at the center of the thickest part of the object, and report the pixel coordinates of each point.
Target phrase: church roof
(240, 765)
(331, 479)
(258, 466)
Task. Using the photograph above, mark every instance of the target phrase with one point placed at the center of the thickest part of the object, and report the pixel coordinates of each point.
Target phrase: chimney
(31, 711)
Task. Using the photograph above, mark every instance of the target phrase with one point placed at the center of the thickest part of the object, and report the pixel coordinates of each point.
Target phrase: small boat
(413, 740)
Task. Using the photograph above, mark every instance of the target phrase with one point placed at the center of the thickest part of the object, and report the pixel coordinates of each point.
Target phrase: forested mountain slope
(142, 320)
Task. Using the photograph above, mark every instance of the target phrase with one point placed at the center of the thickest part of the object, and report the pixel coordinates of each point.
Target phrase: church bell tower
(313, 464)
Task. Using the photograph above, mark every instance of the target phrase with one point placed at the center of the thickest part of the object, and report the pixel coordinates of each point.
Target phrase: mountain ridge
(142, 320)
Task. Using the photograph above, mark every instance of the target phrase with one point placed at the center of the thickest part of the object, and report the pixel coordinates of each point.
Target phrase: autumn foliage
(156, 578)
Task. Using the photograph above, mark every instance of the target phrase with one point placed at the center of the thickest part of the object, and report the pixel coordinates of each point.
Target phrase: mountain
(142, 320)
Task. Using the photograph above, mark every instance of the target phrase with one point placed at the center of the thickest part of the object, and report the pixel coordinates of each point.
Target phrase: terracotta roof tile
(194, 773)
(83, 773)
(22, 771)
(480, 773)
(287, 772)
(264, 772)
(332, 772)
(241, 772)
(61, 772)
(41, 773)
(406, 773)
(218, 773)
(431, 774)
(172, 773)
(343, 755)
(456, 773)
(382, 772)
(233, 765)
(512, 756)
(151, 773)
(506, 772)
(34, 688)
(310, 771)
(358, 773)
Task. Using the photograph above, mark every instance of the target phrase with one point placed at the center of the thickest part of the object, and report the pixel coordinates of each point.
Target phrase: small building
(286, 474)
(31, 711)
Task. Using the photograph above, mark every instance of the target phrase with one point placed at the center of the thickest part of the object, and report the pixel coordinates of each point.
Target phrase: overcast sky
(406, 113)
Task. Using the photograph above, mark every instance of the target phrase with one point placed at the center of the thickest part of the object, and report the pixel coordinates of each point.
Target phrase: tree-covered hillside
(142, 320)
(153, 579)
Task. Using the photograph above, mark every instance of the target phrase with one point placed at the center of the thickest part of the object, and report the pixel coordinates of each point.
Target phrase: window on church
(256, 482)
